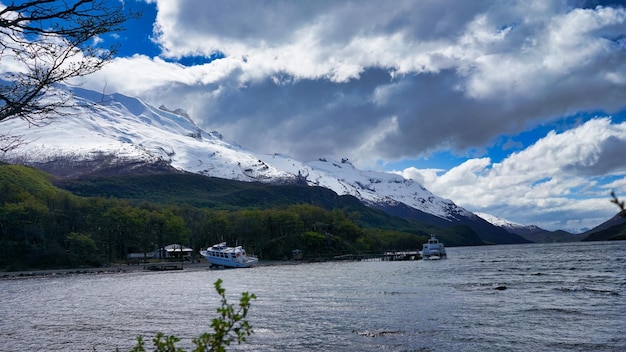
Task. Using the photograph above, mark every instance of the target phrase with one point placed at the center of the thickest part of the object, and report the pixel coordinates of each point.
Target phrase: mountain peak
(120, 129)
(509, 225)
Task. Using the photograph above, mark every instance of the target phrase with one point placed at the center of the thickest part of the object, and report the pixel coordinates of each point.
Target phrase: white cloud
(548, 177)
(385, 129)
(423, 176)
(455, 75)
(140, 75)
(316, 40)
(560, 50)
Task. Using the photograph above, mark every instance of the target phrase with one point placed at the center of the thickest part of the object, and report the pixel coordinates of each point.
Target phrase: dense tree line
(42, 226)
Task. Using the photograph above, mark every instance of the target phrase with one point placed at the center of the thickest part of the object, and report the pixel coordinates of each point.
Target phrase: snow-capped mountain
(510, 226)
(127, 130)
(120, 129)
(532, 233)
(115, 134)
(371, 187)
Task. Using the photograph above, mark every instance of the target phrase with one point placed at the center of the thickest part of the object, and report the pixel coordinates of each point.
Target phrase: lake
(551, 297)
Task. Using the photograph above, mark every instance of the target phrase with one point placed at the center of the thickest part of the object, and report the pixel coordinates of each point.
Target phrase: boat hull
(432, 257)
(225, 262)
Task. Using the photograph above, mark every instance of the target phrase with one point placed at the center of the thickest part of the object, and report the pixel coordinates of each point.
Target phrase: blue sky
(512, 108)
(138, 37)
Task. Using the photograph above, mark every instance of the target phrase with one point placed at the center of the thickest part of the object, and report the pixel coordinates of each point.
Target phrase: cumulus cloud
(452, 75)
(547, 179)
(376, 80)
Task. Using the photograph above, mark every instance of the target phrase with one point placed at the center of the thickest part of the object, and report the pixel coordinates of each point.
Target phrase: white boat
(232, 257)
(433, 249)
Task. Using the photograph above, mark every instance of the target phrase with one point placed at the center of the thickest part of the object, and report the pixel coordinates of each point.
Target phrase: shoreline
(117, 269)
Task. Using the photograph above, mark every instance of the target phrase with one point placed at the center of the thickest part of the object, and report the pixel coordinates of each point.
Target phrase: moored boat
(433, 249)
(232, 257)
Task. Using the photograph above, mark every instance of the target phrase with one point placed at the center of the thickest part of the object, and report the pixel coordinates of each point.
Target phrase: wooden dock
(401, 255)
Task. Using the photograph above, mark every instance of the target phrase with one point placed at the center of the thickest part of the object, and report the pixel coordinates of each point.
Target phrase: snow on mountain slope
(508, 225)
(127, 129)
(368, 186)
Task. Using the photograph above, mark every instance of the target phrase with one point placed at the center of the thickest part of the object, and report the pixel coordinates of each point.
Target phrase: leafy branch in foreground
(228, 327)
(620, 204)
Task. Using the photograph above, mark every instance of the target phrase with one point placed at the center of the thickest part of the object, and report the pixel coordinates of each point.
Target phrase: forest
(44, 226)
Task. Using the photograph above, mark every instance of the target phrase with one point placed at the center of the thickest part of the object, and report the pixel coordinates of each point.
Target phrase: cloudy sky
(513, 108)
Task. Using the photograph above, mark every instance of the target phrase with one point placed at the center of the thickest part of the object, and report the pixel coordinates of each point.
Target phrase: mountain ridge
(533, 233)
(612, 229)
(119, 134)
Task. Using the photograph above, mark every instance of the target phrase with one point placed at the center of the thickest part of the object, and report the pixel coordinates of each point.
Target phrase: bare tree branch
(51, 40)
(619, 203)
(10, 142)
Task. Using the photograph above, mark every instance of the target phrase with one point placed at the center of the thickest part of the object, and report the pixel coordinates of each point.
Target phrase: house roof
(177, 248)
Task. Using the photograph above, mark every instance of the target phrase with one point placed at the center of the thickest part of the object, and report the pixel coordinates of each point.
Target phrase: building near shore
(173, 251)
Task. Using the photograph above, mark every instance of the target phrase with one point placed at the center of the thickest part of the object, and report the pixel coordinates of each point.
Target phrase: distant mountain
(510, 226)
(115, 134)
(532, 233)
(613, 229)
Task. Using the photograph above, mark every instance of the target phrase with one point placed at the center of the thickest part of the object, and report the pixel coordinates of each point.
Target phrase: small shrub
(228, 327)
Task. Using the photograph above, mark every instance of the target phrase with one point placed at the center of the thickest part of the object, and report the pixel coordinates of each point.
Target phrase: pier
(401, 255)
(390, 255)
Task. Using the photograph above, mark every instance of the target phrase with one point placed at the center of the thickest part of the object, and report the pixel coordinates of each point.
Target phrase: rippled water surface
(552, 297)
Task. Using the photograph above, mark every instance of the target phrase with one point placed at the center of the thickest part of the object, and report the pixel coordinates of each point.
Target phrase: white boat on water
(232, 257)
(433, 249)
